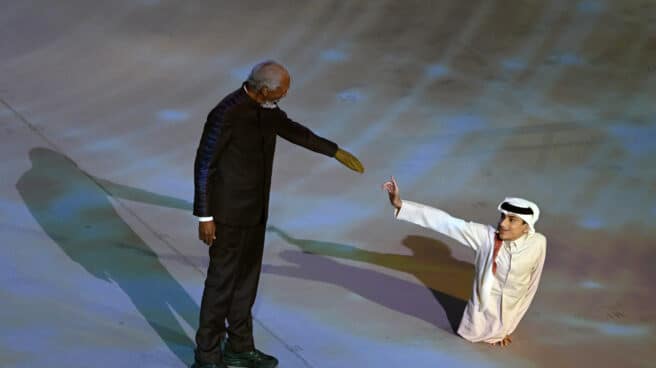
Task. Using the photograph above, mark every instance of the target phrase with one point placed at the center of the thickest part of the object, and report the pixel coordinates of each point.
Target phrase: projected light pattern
(464, 102)
(591, 6)
(170, 115)
(609, 329)
(437, 71)
(333, 55)
(591, 285)
(351, 95)
(567, 59)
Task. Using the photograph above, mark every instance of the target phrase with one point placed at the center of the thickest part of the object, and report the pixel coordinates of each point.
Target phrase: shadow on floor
(74, 209)
(446, 278)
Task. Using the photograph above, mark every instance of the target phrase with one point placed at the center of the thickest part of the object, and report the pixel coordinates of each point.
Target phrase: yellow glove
(349, 160)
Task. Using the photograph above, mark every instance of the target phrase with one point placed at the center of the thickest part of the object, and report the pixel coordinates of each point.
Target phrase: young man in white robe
(508, 263)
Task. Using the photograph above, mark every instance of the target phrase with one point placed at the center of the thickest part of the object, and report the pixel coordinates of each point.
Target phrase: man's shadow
(73, 208)
(448, 279)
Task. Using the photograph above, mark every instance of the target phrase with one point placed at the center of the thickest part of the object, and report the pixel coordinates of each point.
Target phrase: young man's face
(511, 227)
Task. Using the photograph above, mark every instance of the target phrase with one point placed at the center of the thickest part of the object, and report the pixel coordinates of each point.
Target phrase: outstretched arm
(302, 136)
(470, 234)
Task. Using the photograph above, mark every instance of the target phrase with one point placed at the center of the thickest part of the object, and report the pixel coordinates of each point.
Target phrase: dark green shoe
(248, 359)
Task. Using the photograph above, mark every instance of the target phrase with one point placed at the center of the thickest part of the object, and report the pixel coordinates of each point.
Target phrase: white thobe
(499, 300)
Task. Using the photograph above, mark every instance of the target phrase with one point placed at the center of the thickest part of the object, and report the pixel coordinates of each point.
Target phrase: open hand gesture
(348, 160)
(393, 192)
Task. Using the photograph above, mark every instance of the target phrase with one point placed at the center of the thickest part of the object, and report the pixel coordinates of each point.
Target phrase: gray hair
(267, 74)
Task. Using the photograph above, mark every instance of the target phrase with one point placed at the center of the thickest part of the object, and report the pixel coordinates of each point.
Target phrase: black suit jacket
(232, 170)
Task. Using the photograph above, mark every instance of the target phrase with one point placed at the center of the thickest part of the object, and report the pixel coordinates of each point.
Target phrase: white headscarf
(521, 207)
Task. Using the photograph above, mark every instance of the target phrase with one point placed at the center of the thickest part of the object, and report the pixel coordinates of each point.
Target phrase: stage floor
(465, 102)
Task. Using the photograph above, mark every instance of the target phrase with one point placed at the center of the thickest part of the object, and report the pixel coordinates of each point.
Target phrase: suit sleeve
(302, 136)
(215, 135)
(470, 234)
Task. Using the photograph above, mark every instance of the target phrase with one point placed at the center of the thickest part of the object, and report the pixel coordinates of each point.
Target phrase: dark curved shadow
(447, 279)
(73, 208)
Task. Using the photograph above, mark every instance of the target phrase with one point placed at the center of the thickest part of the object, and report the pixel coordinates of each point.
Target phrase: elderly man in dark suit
(232, 177)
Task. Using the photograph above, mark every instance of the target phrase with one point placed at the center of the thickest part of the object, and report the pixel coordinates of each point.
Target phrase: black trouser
(230, 289)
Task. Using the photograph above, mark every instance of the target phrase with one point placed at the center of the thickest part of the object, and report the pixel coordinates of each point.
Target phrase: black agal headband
(518, 210)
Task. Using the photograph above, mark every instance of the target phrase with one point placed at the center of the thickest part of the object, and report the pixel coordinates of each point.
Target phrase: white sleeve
(470, 234)
(205, 219)
(525, 302)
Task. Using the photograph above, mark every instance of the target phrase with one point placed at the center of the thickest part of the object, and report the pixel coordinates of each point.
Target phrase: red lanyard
(497, 246)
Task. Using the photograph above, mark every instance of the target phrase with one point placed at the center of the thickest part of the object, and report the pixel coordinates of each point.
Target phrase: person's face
(511, 227)
(275, 95)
